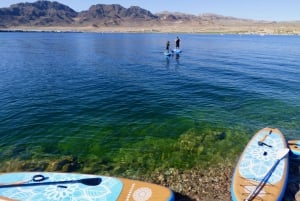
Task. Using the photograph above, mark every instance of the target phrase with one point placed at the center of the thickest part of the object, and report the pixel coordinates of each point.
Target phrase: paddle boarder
(168, 46)
(177, 42)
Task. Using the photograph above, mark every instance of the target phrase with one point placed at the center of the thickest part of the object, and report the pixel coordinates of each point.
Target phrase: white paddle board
(256, 161)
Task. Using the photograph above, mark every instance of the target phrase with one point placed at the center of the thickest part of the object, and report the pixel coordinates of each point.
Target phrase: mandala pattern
(142, 194)
(59, 193)
(258, 160)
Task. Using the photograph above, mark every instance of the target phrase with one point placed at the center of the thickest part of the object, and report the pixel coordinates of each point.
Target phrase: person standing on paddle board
(177, 42)
(168, 46)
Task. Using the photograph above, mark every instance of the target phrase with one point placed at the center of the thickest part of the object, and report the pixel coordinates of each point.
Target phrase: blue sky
(277, 10)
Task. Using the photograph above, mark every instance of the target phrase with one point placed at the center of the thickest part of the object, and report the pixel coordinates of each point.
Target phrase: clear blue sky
(277, 10)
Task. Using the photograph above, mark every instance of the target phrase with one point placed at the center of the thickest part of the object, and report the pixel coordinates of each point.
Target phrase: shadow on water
(167, 62)
(169, 59)
(292, 192)
(180, 197)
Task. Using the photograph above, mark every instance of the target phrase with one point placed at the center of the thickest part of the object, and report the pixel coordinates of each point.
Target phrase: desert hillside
(54, 16)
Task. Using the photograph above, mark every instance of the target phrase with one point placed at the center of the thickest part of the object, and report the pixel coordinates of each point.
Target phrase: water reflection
(167, 62)
(177, 64)
(171, 58)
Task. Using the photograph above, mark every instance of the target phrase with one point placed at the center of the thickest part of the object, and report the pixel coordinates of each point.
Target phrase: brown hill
(40, 13)
(54, 16)
(111, 15)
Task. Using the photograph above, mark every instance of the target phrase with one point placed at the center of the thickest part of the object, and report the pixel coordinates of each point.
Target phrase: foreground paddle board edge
(110, 188)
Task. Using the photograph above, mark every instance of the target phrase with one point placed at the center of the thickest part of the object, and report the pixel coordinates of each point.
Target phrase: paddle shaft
(262, 182)
(88, 181)
(280, 155)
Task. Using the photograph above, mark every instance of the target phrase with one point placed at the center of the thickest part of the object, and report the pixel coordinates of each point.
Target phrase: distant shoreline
(170, 29)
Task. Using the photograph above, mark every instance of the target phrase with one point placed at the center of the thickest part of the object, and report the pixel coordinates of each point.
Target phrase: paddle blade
(91, 181)
(282, 153)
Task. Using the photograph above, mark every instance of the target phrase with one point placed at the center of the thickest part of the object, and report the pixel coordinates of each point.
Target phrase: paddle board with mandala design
(50, 186)
(255, 163)
(294, 146)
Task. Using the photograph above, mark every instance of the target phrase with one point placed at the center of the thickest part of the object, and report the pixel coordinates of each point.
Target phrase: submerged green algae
(114, 152)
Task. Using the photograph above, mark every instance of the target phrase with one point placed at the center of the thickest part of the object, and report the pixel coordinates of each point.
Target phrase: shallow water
(115, 103)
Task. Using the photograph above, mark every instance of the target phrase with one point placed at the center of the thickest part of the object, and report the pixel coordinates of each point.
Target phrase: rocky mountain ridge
(47, 13)
(38, 13)
(52, 15)
(114, 14)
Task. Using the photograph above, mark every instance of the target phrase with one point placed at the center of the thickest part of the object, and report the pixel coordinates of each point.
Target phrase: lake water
(114, 103)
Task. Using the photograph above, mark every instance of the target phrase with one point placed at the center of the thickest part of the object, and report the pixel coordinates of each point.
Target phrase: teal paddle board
(50, 186)
(176, 51)
(167, 53)
(294, 146)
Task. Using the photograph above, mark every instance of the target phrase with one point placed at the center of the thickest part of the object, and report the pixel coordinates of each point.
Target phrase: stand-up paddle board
(294, 146)
(167, 53)
(176, 51)
(47, 186)
(262, 170)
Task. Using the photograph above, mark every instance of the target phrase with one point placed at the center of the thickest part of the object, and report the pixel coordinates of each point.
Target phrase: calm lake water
(114, 103)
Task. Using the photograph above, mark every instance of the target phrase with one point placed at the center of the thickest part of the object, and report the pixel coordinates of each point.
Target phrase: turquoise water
(114, 103)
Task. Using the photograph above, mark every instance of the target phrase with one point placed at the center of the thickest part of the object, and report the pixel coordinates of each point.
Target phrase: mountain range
(48, 15)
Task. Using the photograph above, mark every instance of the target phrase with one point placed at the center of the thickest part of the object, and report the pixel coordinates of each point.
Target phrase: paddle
(261, 142)
(88, 181)
(280, 155)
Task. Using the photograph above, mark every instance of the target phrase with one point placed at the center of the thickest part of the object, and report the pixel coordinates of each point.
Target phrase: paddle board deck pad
(255, 162)
(294, 146)
(109, 189)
